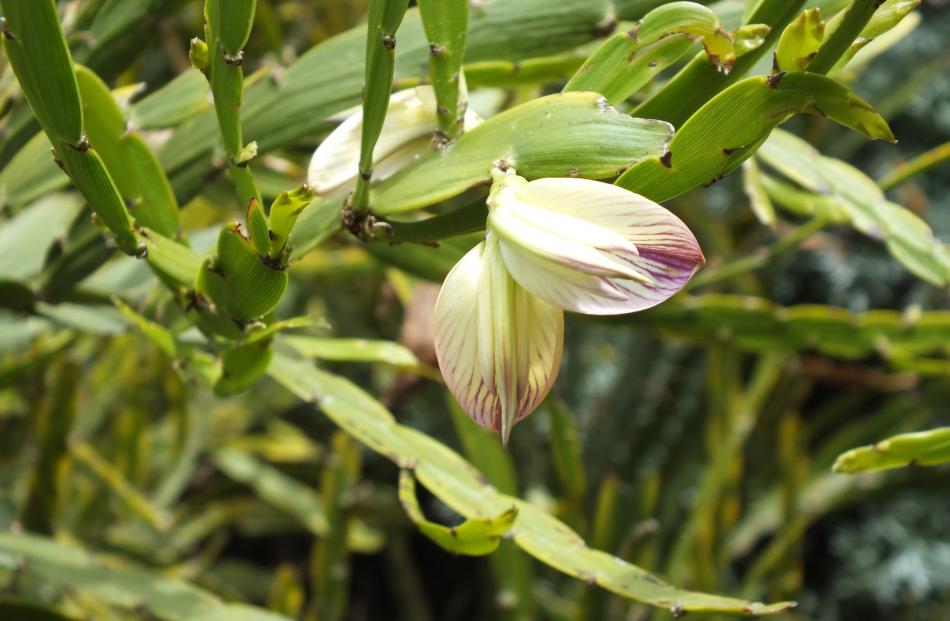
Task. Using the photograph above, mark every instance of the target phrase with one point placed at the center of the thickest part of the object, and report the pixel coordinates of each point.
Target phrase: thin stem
(468, 219)
(922, 163)
(837, 43)
(758, 259)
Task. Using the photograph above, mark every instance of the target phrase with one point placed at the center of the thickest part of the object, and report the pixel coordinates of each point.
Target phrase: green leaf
(33, 41)
(460, 486)
(570, 134)
(274, 487)
(728, 129)
(473, 537)
(446, 26)
(923, 448)
(353, 350)
(615, 69)
(131, 164)
(166, 598)
(800, 41)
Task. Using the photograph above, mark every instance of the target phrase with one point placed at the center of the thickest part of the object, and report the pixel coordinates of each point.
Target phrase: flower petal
(499, 348)
(565, 239)
(667, 250)
(335, 163)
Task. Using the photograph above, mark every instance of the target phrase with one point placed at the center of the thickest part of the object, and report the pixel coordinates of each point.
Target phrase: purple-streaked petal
(498, 347)
(667, 251)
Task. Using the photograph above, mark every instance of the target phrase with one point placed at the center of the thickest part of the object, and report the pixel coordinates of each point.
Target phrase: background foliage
(695, 440)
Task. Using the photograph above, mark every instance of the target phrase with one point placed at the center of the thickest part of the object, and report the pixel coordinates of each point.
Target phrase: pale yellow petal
(498, 346)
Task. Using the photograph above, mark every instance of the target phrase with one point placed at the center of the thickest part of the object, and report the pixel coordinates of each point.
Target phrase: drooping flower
(406, 135)
(550, 245)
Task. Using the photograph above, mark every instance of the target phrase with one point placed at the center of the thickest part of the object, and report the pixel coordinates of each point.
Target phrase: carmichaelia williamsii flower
(407, 134)
(550, 245)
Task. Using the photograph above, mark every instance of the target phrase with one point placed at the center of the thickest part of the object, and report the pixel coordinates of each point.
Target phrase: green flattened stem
(242, 366)
(238, 286)
(34, 44)
(330, 558)
(842, 31)
(664, 34)
(228, 28)
(446, 26)
(923, 162)
(699, 81)
(457, 483)
(283, 215)
(384, 19)
(800, 41)
(473, 537)
(924, 448)
(730, 127)
(133, 167)
(561, 135)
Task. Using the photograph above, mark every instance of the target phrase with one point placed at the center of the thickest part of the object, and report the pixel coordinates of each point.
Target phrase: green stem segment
(699, 81)
(922, 163)
(446, 26)
(758, 259)
(228, 28)
(836, 44)
(34, 44)
(384, 19)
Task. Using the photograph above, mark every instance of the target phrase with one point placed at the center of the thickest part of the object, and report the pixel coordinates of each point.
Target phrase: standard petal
(565, 239)
(667, 250)
(499, 348)
(651, 227)
(411, 115)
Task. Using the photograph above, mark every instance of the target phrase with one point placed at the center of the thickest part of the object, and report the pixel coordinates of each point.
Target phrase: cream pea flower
(407, 134)
(550, 245)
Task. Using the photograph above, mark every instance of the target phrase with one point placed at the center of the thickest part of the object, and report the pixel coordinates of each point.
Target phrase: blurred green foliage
(695, 440)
